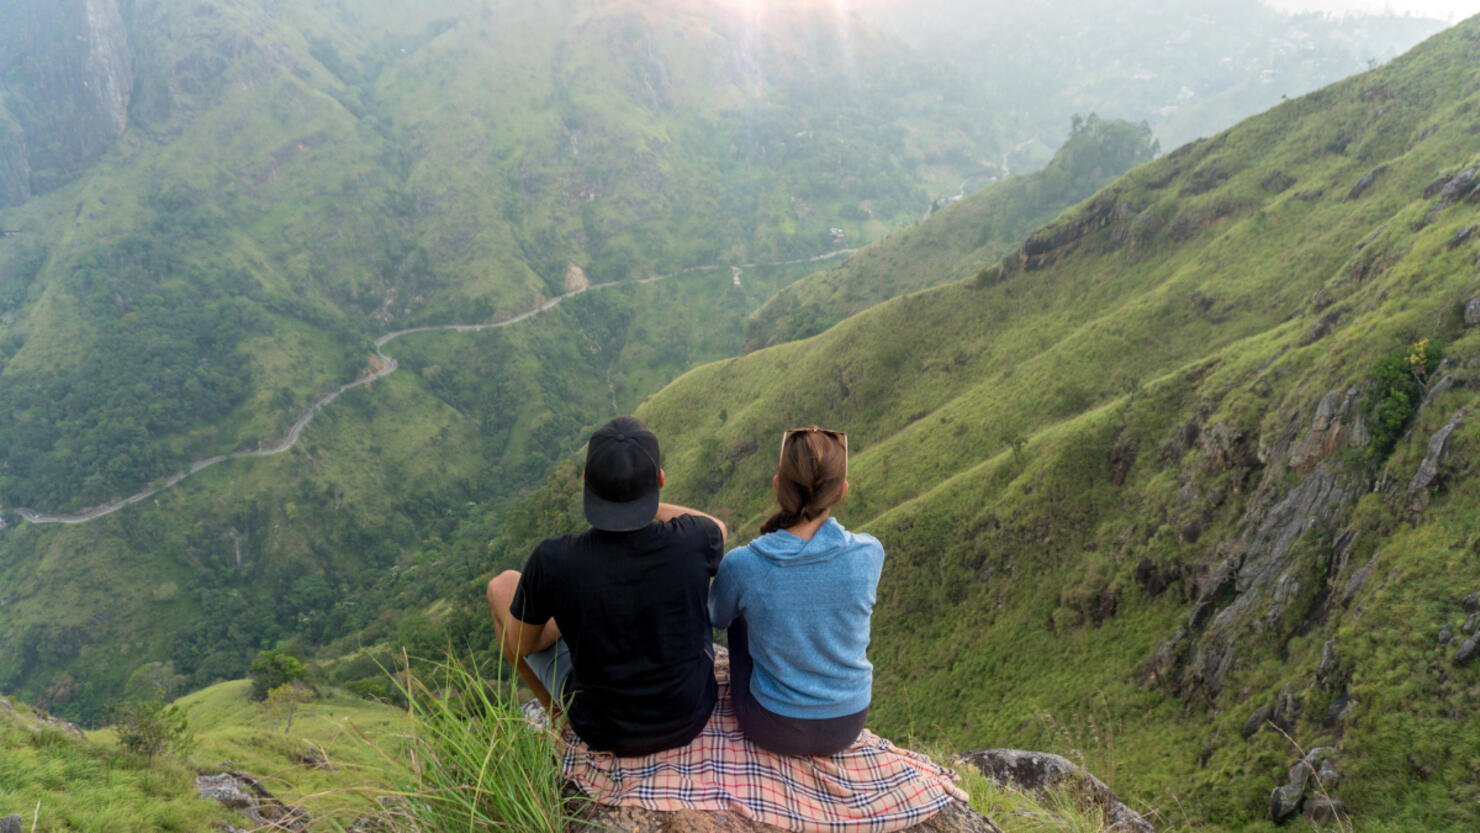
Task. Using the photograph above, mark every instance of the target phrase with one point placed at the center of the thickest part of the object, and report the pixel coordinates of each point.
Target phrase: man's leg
(510, 630)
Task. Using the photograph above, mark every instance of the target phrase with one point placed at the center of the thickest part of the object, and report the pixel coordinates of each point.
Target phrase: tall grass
(475, 762)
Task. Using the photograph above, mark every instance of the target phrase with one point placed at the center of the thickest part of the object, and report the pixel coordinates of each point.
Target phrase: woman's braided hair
(810, 477)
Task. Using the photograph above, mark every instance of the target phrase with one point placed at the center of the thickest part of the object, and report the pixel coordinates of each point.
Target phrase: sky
(1442, 9)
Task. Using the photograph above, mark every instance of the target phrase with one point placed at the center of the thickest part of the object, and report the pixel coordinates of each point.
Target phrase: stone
(5, 705)
(1287, 709)
(1469, 626)
(246, 795)
(1438, 449)
(1462, 237)
(1446, 633)
(1284, 803)
(1040, 771)
(1472, 311)
(1365, 182)
(1468, 651)
(11, 824)
(1256, 721)
(1325, 810)
(1329, 777)
(1470, 603)
(954, 818)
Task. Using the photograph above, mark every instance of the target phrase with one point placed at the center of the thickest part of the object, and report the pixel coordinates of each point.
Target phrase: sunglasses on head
(840, 436)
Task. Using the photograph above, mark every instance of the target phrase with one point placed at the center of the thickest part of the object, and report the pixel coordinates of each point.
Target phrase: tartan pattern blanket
(871, 787)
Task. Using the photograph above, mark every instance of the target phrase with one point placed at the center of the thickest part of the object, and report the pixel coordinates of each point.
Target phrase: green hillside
(1175, 466)
(979, 227)
(297, 178)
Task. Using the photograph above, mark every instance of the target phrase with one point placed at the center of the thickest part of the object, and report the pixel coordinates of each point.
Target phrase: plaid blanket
(870, 787)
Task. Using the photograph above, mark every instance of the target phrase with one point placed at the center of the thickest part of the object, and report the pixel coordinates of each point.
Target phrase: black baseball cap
(622, 476)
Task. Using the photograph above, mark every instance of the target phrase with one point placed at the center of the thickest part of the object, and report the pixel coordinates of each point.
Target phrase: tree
(149, 727)
(282, 702)
(273, 668)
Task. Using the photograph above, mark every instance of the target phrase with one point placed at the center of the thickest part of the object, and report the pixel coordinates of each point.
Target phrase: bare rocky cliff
(67, 70)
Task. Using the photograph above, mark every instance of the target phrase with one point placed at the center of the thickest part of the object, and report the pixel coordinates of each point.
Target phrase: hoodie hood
(786, 550)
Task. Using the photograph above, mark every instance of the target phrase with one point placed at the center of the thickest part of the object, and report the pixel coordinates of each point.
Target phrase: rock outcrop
(955, 818)
(246, 795)
(70, 74)
(1308, 786)
(11, 824)
(1038, 772)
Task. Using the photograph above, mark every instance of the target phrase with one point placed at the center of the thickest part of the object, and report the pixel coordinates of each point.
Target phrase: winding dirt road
(388, 366)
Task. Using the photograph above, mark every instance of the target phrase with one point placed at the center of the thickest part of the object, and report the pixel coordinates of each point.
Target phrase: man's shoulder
(690, 526)
(558, 546)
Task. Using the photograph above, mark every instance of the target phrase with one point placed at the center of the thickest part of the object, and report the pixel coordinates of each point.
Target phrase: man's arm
(669, 511)
(517, 641)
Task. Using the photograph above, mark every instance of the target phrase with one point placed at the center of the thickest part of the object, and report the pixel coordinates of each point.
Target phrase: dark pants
(774, 732)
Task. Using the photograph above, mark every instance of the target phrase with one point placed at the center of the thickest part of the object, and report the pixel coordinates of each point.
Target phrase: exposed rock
(955, 818)
(1284, 803)
(1329, 661)
(1256, 721)
(1469, 626)
(246, 795)
(1329, 777)
(1358, 580)
(1365, 182)
(1323, 810)
(1472, 311)
(1043, 246)
(1226, 448)
(1039, 771)
(5, 705)
(1446, 634)
(1462, 236)
(71, 76)
(1151, 578)
(1428, 470)
(11, 824)
(1287, 709)
(1459, 186)
(1259, 577)
(1470, 603)
(1468, 651)
(1306, 770)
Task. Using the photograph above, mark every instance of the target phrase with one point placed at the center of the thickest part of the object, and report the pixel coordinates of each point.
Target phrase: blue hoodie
(807, 605)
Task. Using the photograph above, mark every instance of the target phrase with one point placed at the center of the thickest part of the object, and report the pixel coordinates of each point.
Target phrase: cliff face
(67, 72)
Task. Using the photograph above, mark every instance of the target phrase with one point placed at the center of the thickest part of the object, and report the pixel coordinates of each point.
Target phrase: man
(612, 623)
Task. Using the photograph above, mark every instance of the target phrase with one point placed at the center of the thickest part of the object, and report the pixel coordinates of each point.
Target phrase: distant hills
(1190, 69)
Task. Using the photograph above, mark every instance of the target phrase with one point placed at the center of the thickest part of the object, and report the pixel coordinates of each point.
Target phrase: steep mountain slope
(1197, 461)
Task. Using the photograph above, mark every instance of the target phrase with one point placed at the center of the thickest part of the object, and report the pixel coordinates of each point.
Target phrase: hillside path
(385, 366)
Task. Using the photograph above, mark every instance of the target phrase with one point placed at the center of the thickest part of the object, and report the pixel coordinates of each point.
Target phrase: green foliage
(147, 728)
(475, 762)
(1399, 380)
(272, 669)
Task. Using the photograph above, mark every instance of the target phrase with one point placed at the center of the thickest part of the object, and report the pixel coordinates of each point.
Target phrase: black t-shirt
(632, 606)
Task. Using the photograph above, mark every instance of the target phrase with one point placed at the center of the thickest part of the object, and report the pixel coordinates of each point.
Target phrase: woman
(797, 602)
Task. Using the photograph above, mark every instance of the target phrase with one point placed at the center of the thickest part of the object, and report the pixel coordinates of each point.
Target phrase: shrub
(273, 668)
(148, 727)
(1400, 379)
